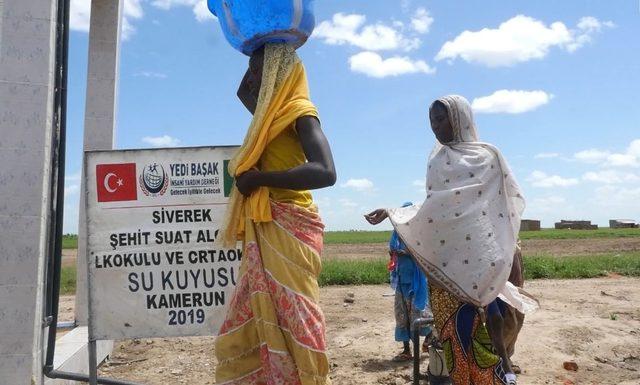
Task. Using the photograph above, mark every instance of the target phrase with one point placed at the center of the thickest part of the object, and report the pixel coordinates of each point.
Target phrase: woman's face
(440, 124)
(249, 89)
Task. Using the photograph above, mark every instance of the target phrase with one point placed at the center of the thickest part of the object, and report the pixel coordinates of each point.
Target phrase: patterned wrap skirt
(274, 331)
(468, 350)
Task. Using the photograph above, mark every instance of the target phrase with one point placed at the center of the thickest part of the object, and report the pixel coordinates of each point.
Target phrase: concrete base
(72, 354)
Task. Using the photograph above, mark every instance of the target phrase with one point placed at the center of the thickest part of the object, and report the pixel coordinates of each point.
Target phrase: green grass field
(604, 232)
(354, 272)
(358, 272)
(591, 266)
(338, 271)
(68, 280)
(69, 241)
(374, 272)
(355, 237)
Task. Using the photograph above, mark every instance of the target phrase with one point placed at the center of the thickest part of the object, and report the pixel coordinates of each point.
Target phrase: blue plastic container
(249, 24)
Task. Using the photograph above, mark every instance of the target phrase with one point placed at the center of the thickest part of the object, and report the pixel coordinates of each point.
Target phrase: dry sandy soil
(555, 247)
(594, 322)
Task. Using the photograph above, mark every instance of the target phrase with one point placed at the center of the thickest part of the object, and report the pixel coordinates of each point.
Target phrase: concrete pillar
(27, 59)
(100, 113)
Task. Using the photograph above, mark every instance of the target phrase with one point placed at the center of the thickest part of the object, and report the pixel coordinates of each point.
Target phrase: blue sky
(554, 85)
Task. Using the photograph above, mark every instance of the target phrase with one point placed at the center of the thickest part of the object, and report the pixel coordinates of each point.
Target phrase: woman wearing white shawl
(464, 237)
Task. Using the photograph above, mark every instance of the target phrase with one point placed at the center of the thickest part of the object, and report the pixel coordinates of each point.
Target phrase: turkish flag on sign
(116, 182)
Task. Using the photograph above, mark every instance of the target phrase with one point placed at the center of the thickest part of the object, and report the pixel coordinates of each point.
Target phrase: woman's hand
(248, 182)
(376, 216)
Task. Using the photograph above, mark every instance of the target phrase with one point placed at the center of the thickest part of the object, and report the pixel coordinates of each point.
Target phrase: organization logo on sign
(116, 182)
(227, 180)
(154, 180)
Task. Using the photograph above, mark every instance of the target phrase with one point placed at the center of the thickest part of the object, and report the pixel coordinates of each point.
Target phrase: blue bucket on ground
(249, 24)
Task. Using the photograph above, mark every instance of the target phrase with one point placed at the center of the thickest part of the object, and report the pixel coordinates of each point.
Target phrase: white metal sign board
(152, 219)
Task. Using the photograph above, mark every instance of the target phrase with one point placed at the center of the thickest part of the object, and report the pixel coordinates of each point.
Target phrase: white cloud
(71, 189)
(151, 74)
(348, 203)
(546, 155)
(518, 39)
(591, 156)
(616, 201)
(541, 179)
(199, 7)
(552, 200)
(71, 206)
(75, 177)
(351, 29)
(611, 177)
(323, 203)
(511, 101)
(202, 13)
(598, 203)
(127, 29)
(362, 184)
(421, 21)
(372, 64)
(591, 24)
(80, 16)
(132, 10)
(161, 141)
(629, 158)
(586, 27)
(634, 148)
(421, 184)
(168, 4)
(623, 160)
(72, 185)
(540, 206)
(548, 208)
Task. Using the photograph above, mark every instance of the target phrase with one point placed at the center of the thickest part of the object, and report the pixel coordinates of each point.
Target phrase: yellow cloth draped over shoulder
(284, 97)
(274, 330)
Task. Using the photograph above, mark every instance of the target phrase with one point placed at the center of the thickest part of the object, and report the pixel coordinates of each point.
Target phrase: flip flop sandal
(516, 369)
(402, 357)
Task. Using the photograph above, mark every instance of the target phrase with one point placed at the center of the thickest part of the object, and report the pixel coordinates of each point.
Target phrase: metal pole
(416, 353)
(59, 145)
(85, 378)
(93, 364)
(55, 236)
(417, 325)
(66, 325)
(93, 356)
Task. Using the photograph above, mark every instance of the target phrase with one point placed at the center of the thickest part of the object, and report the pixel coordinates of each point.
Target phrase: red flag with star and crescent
(116, 182)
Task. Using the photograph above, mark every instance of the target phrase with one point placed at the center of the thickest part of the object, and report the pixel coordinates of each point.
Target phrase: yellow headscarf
(284, 97)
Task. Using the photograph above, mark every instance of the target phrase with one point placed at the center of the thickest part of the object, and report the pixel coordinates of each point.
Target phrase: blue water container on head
(249, 24)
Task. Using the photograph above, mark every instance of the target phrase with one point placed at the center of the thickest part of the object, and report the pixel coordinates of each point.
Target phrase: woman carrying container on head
(464, 237)
(274, 331)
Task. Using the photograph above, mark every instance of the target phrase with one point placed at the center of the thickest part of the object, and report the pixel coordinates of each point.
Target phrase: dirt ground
(595, 323)
(69, 257)
(556, 247)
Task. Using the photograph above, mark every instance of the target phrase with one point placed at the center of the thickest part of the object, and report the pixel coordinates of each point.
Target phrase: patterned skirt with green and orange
(468, 350)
